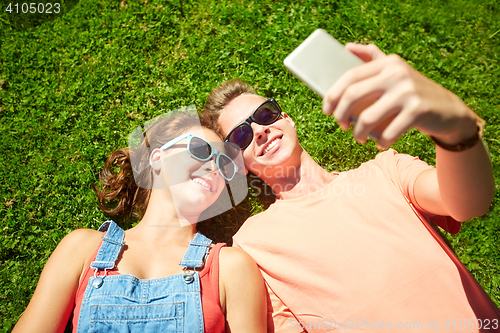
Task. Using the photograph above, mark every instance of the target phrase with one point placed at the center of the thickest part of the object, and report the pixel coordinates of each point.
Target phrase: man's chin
(281, 169)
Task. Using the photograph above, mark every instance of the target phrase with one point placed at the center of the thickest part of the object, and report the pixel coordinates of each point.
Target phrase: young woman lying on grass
(161, 275)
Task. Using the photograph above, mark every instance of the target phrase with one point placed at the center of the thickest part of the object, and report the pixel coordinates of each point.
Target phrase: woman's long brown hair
(119, 195)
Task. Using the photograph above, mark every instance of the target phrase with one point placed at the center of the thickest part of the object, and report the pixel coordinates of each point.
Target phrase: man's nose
(259, 131)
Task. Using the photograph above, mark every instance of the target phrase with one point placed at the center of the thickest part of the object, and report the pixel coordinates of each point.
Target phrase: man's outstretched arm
(462, 186)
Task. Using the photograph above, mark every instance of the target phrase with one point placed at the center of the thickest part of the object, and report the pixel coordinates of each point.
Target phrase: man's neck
(299, 180)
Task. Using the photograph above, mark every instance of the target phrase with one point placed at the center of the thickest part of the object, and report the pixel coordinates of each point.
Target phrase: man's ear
(287, 118)
(155, 160)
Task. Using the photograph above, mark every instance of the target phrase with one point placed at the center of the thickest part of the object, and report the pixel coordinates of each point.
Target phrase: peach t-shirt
(358, 255)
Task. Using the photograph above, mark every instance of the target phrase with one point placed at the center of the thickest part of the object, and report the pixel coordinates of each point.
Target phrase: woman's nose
(211, 166)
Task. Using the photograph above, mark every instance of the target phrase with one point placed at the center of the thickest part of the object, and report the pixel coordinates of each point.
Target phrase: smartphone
(320, 61)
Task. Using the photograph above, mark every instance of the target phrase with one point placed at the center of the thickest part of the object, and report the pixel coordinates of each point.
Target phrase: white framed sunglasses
(202, 150)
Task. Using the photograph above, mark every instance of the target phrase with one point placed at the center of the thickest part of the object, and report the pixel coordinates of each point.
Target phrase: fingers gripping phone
(320, 61)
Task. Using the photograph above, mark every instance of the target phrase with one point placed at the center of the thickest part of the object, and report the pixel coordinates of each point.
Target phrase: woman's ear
(287, 118)
(155, 160)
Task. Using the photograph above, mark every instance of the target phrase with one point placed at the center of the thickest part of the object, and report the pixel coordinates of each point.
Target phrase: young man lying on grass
(347, 251)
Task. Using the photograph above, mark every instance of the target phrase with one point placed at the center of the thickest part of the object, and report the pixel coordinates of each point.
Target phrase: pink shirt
(358, 255)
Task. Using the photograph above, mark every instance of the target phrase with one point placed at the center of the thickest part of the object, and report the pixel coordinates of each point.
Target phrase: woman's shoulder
(82, 238)
(231, 258)
(236, 268)
(238, 272)
(80, 244)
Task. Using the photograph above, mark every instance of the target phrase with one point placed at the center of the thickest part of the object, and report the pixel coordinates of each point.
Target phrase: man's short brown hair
(219, 98)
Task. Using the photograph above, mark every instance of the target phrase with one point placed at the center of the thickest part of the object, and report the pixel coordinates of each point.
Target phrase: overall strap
(110, 247)
(196, 252)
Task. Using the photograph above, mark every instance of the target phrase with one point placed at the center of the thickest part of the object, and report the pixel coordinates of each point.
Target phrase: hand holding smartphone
(319, 61)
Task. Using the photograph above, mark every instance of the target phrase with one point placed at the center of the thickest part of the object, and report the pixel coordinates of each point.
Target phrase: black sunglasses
(265, 114)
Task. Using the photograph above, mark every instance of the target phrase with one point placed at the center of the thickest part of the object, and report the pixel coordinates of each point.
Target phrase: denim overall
(124, 303)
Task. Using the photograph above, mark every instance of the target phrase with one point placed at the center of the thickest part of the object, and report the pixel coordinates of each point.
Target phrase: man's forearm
(466, 182)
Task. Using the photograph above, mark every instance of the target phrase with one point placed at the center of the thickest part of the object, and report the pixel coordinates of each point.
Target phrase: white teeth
(202, 183)
(271, 145)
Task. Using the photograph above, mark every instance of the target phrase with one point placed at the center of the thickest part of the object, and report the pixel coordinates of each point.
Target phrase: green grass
(73, 85)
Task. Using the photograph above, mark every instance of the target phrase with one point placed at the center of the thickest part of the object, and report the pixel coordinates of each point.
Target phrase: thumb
(365, 52)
